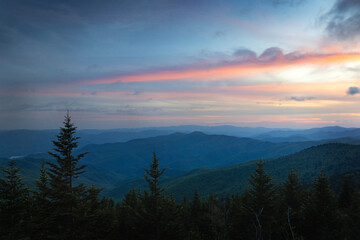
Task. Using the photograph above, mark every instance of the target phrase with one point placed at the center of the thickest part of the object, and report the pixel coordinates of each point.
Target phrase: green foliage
(14, 204)
(292, 205)
(152, 177)
(75, 209)
(62, 208)
(262, 202)
(41, 207)
(186, 152)
(197, 221)
(333, 159)
(322, 216)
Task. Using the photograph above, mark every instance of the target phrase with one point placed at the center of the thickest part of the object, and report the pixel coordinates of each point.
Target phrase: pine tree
(197, 220)
(152, 177)
(14, 204)
(160, 214)
(129, 217)
(349, 210)
(354, 216)
(41, 207)
(262, 202)
(153, 201)
(292, 198)
(321, 216)
(67, 198)
(346, 194)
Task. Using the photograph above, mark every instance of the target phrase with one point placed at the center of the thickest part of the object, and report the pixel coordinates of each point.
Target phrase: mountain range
(15, 143)
(210, 163)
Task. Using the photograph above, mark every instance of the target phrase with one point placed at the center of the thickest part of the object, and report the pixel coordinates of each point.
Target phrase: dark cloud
(271, 54)
(219, 33)
(301, 99)
(245, 55)
(344, 19)
(287, 2)
(137, 92)
(353, 90)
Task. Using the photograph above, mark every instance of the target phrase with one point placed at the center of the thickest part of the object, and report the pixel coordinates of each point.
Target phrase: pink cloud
(272, 60)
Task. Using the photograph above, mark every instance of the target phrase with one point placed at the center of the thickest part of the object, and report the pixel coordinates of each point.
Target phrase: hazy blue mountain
(117, 167)
(30, 171)
(334, 159)
(25, 142)
(187, 151)
(313, 134)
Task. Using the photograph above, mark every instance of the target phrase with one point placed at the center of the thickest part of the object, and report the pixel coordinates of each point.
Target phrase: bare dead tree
(258, 226)
(289, 223)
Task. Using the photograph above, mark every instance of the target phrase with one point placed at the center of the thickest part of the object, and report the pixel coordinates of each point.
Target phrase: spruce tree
(346, 194)
(14, 204)
(153, 201)
(198, 221)
(129, 217)
(321, 216)
(66, 197)
(292, 204)
(152, 177)
(262, 203)
(41, 207)
(349, 210)
(160, 214)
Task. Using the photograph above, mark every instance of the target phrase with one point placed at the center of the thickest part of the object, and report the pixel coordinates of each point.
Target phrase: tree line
(59, 208)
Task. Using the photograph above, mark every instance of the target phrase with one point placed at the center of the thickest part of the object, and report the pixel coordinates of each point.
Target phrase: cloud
(242, 63)
(353, 90)
(301, 99)
(287, 2)
(344, 19)
(243, 54)
(271, 54)
(219, 34)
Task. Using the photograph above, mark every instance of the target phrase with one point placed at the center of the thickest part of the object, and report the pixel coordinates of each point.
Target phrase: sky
(131, 64)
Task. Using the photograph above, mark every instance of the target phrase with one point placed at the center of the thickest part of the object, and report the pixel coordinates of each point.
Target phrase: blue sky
(273, 63)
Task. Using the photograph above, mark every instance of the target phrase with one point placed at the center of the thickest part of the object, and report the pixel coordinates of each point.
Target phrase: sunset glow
(277, 64)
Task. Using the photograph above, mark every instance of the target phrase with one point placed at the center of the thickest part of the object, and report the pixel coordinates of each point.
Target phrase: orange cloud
(233, 70)
(332, 48)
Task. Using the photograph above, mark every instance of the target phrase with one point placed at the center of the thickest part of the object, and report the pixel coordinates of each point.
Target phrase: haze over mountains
(194, 159)
(25, 142)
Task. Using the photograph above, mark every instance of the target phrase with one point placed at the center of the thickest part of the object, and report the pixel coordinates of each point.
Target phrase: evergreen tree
(41, 207)
(262, 203)
(197, 220)
(293, 197)
(218, 214)
(14, 204)
(152, 177)
(346, 194)
(160, 214)
(97, 216)
(348, 204)
(354, 217)
(68, 200)
(129, 217)
(321, 216)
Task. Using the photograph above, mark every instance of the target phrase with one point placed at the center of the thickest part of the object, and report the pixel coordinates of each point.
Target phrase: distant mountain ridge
(334, 159)
(210, 163)
(26, 142)
(30, 171)
(314, 134)
(185, 152)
